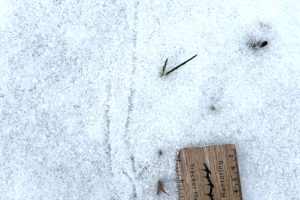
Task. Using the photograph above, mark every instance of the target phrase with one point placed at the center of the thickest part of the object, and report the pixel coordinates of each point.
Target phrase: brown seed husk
(160, 188)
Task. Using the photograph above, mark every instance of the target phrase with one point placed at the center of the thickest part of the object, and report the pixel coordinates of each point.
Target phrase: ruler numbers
(234, 167)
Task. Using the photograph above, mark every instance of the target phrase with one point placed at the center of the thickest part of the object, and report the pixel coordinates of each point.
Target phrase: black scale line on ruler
(238, 175)
(179, 180)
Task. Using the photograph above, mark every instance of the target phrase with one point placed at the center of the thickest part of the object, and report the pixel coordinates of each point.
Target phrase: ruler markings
(207, 174)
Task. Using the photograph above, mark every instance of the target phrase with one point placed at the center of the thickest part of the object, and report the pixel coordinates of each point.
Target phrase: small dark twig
(181, 64)
(164, 67)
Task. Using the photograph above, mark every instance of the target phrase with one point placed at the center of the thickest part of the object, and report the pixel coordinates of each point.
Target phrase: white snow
(84, 111)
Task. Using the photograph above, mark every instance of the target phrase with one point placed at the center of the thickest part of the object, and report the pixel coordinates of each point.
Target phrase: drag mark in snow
(107, 134)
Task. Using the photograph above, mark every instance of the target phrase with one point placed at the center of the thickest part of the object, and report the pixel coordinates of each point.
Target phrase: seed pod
(264, 44)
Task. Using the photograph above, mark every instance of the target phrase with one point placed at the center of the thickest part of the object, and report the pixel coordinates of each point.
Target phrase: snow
(84, 111)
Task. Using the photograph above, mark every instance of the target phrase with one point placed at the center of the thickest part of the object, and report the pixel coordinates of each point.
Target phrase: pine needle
(164, 67)
(181, 64)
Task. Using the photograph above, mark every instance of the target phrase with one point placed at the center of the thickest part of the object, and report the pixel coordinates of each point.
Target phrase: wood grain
(208, 173)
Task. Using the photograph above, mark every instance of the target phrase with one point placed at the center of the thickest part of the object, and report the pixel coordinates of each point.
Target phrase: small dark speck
(213, 108)
(264, 44)
(160, 152)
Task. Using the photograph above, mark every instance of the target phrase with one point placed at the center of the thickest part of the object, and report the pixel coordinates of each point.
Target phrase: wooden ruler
(208, 173)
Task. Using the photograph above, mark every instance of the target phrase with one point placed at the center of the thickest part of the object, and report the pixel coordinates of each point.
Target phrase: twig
(181, 64)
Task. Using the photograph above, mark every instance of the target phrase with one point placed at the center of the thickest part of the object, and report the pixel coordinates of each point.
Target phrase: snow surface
(84, 111)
